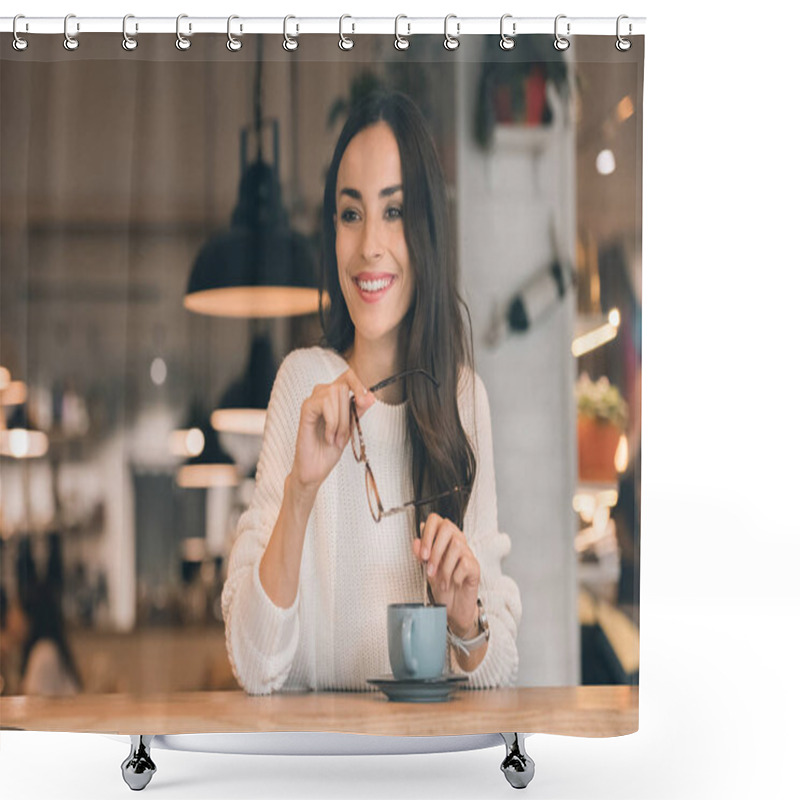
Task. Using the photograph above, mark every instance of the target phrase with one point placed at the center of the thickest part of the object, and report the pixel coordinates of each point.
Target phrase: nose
(371, 242)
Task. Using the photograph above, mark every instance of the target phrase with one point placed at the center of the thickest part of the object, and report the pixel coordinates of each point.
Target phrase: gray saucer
(424, 690)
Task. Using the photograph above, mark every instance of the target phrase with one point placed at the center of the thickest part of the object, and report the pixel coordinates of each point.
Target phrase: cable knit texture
(334, 634)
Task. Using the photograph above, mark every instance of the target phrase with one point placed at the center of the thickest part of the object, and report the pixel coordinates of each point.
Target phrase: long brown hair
(436, 337)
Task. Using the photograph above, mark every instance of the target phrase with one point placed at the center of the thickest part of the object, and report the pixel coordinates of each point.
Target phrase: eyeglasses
(360, 452)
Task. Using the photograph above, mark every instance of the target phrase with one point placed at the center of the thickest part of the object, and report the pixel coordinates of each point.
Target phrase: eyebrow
(356, 195)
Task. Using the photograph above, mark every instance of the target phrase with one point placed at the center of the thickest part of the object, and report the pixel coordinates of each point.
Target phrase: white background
(720, 607)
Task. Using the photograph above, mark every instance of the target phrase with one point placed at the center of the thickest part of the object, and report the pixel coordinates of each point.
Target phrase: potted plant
(602, 415)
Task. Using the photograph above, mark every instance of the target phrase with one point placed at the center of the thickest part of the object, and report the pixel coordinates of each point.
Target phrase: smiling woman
(311, 574)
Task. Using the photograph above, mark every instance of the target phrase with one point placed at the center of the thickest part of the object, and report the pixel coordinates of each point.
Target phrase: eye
(346, 214)
(399, 211)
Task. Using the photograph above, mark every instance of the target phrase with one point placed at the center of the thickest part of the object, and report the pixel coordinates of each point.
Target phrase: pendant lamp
(260, 267)
(21, 438)
(243, 407)
(212, 467)
(188, 440)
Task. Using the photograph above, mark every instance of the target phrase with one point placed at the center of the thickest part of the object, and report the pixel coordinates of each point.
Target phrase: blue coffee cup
(417, 640)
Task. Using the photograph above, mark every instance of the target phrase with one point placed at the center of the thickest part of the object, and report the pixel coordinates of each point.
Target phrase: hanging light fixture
(243, 407)
(188, 440)
(22, 438)
(211, 467)
(260, 267)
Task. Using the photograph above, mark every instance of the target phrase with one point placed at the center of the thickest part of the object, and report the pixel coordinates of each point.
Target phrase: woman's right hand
(324, 428)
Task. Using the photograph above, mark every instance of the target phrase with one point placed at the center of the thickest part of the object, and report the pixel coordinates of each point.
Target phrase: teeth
(374, 286)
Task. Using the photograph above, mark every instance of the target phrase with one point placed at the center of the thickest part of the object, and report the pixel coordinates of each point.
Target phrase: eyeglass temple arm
(415, 503)
(394, 378)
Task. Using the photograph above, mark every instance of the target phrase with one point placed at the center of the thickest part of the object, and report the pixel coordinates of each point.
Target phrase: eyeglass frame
(362, 456)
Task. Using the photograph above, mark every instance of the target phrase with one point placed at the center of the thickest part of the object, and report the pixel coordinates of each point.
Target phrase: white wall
(505, 198)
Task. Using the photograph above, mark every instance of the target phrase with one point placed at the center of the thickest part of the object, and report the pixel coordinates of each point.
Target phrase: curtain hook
(451, 42)
(623, 44)
(507, 42)
(70, 42)
(233, 44)
(344, 42)
(289, 42)
(400, 42)
(19, 43)
(182, 43)
(128, 42)
(561, 42)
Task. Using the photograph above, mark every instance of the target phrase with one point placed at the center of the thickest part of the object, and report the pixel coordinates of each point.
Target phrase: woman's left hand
(453, 571)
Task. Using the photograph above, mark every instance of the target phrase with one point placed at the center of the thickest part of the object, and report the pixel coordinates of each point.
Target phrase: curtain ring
(289, 42)
(233, 44)
(623, 44)
(400, 42)
(451, 42)
(507, 42)
(344, 42)
(19, 43)
(561, 42)
(128, 42)
(182, 43)
(70, 42)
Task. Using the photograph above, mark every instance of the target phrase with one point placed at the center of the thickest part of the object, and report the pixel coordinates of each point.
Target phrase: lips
(372, 286)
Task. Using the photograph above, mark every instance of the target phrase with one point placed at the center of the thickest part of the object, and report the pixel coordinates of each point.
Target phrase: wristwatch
(468, 645)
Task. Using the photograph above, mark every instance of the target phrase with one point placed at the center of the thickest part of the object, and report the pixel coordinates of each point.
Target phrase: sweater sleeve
(261, 637)
(499, 593)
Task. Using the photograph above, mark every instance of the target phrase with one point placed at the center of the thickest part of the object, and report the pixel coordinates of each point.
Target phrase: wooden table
(594, 711)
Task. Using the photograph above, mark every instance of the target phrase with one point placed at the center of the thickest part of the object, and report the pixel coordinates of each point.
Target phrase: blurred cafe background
(159, 253)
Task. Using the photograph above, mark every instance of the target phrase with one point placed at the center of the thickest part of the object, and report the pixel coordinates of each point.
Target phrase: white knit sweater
(334, 634)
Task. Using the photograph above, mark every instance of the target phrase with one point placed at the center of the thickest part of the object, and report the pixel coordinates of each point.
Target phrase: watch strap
(468, 645)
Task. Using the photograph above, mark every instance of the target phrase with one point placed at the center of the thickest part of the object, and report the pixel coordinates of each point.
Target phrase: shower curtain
(162, 253)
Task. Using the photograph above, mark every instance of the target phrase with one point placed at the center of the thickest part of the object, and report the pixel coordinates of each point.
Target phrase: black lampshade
(242, 408)
(260, 267)
(212, 467)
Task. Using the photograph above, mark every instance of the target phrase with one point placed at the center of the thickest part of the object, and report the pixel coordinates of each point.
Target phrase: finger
(461, 573)
(364, 398)
(444, 533)
(428, 533)
(415, 547)
(468, 571)
(331, 419)
(453, 556)
(343, 433)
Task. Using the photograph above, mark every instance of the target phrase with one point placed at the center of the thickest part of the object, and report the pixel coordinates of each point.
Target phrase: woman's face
(375, 275)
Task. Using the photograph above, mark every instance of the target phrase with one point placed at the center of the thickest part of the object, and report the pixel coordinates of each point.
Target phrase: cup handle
(408, 657)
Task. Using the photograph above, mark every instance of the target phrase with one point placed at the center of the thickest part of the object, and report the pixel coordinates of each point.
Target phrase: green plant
(601, 400)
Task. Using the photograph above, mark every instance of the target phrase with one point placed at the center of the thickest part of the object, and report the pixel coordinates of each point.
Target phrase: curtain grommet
(451, 42)
(70, 42)
(290, 43)
(345, 43)
(561, 43)
(129, 42)
(507, 42)
(234, 44)
(401, 42)
(622, 44)
(182, 42)
(18, 43)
